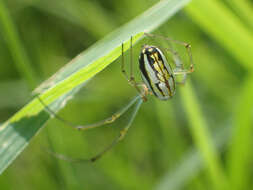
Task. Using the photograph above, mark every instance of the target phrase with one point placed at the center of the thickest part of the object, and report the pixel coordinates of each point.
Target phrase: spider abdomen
(156, 72)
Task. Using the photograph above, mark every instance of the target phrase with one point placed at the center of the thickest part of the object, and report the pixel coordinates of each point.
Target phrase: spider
(158, 78)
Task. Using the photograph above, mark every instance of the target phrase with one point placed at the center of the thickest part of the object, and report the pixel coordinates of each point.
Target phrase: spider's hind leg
(101, 123)
(119, 138)
(179, 69)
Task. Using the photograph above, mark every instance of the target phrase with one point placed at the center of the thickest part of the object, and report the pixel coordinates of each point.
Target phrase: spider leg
(103, 122)
(179, 70)
(131, 78)
(119, 138)
(176, 57)
(183, 72)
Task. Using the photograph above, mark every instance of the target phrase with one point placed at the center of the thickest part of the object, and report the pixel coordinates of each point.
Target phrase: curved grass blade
(233, 35)
(16, 133)
(19, 56)
(244, 10)
(240, 155)
(202, 138)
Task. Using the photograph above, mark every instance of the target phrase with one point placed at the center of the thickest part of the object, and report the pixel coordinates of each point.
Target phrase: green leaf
(16, 133)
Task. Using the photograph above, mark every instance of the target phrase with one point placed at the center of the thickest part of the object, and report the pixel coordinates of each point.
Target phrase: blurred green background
(162, 149)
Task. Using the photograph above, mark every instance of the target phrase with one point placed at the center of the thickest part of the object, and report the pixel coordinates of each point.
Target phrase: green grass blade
(244, 9)
(227, 30)
(19, 56)
(87, 14)
(237, 40)
(202, 137)
(16, 133)
(240, 154)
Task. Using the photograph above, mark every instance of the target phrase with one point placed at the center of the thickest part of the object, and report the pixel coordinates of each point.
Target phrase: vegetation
(199, 139)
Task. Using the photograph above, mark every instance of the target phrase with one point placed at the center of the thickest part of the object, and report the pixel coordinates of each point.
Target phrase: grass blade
(18, 54)
(87, 14)
(202, 137)
(233, 36)
(244, 9)
(240, 154)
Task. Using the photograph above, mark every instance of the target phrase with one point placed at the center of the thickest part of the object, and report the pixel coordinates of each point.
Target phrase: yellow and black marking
(156, 72)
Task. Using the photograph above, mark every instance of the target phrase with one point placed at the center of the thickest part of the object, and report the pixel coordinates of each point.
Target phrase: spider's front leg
(140, 87)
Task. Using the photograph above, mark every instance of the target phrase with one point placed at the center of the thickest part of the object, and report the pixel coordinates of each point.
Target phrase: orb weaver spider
(158, 79)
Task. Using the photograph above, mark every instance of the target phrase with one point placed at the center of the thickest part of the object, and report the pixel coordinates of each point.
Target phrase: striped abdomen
(156, 72)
